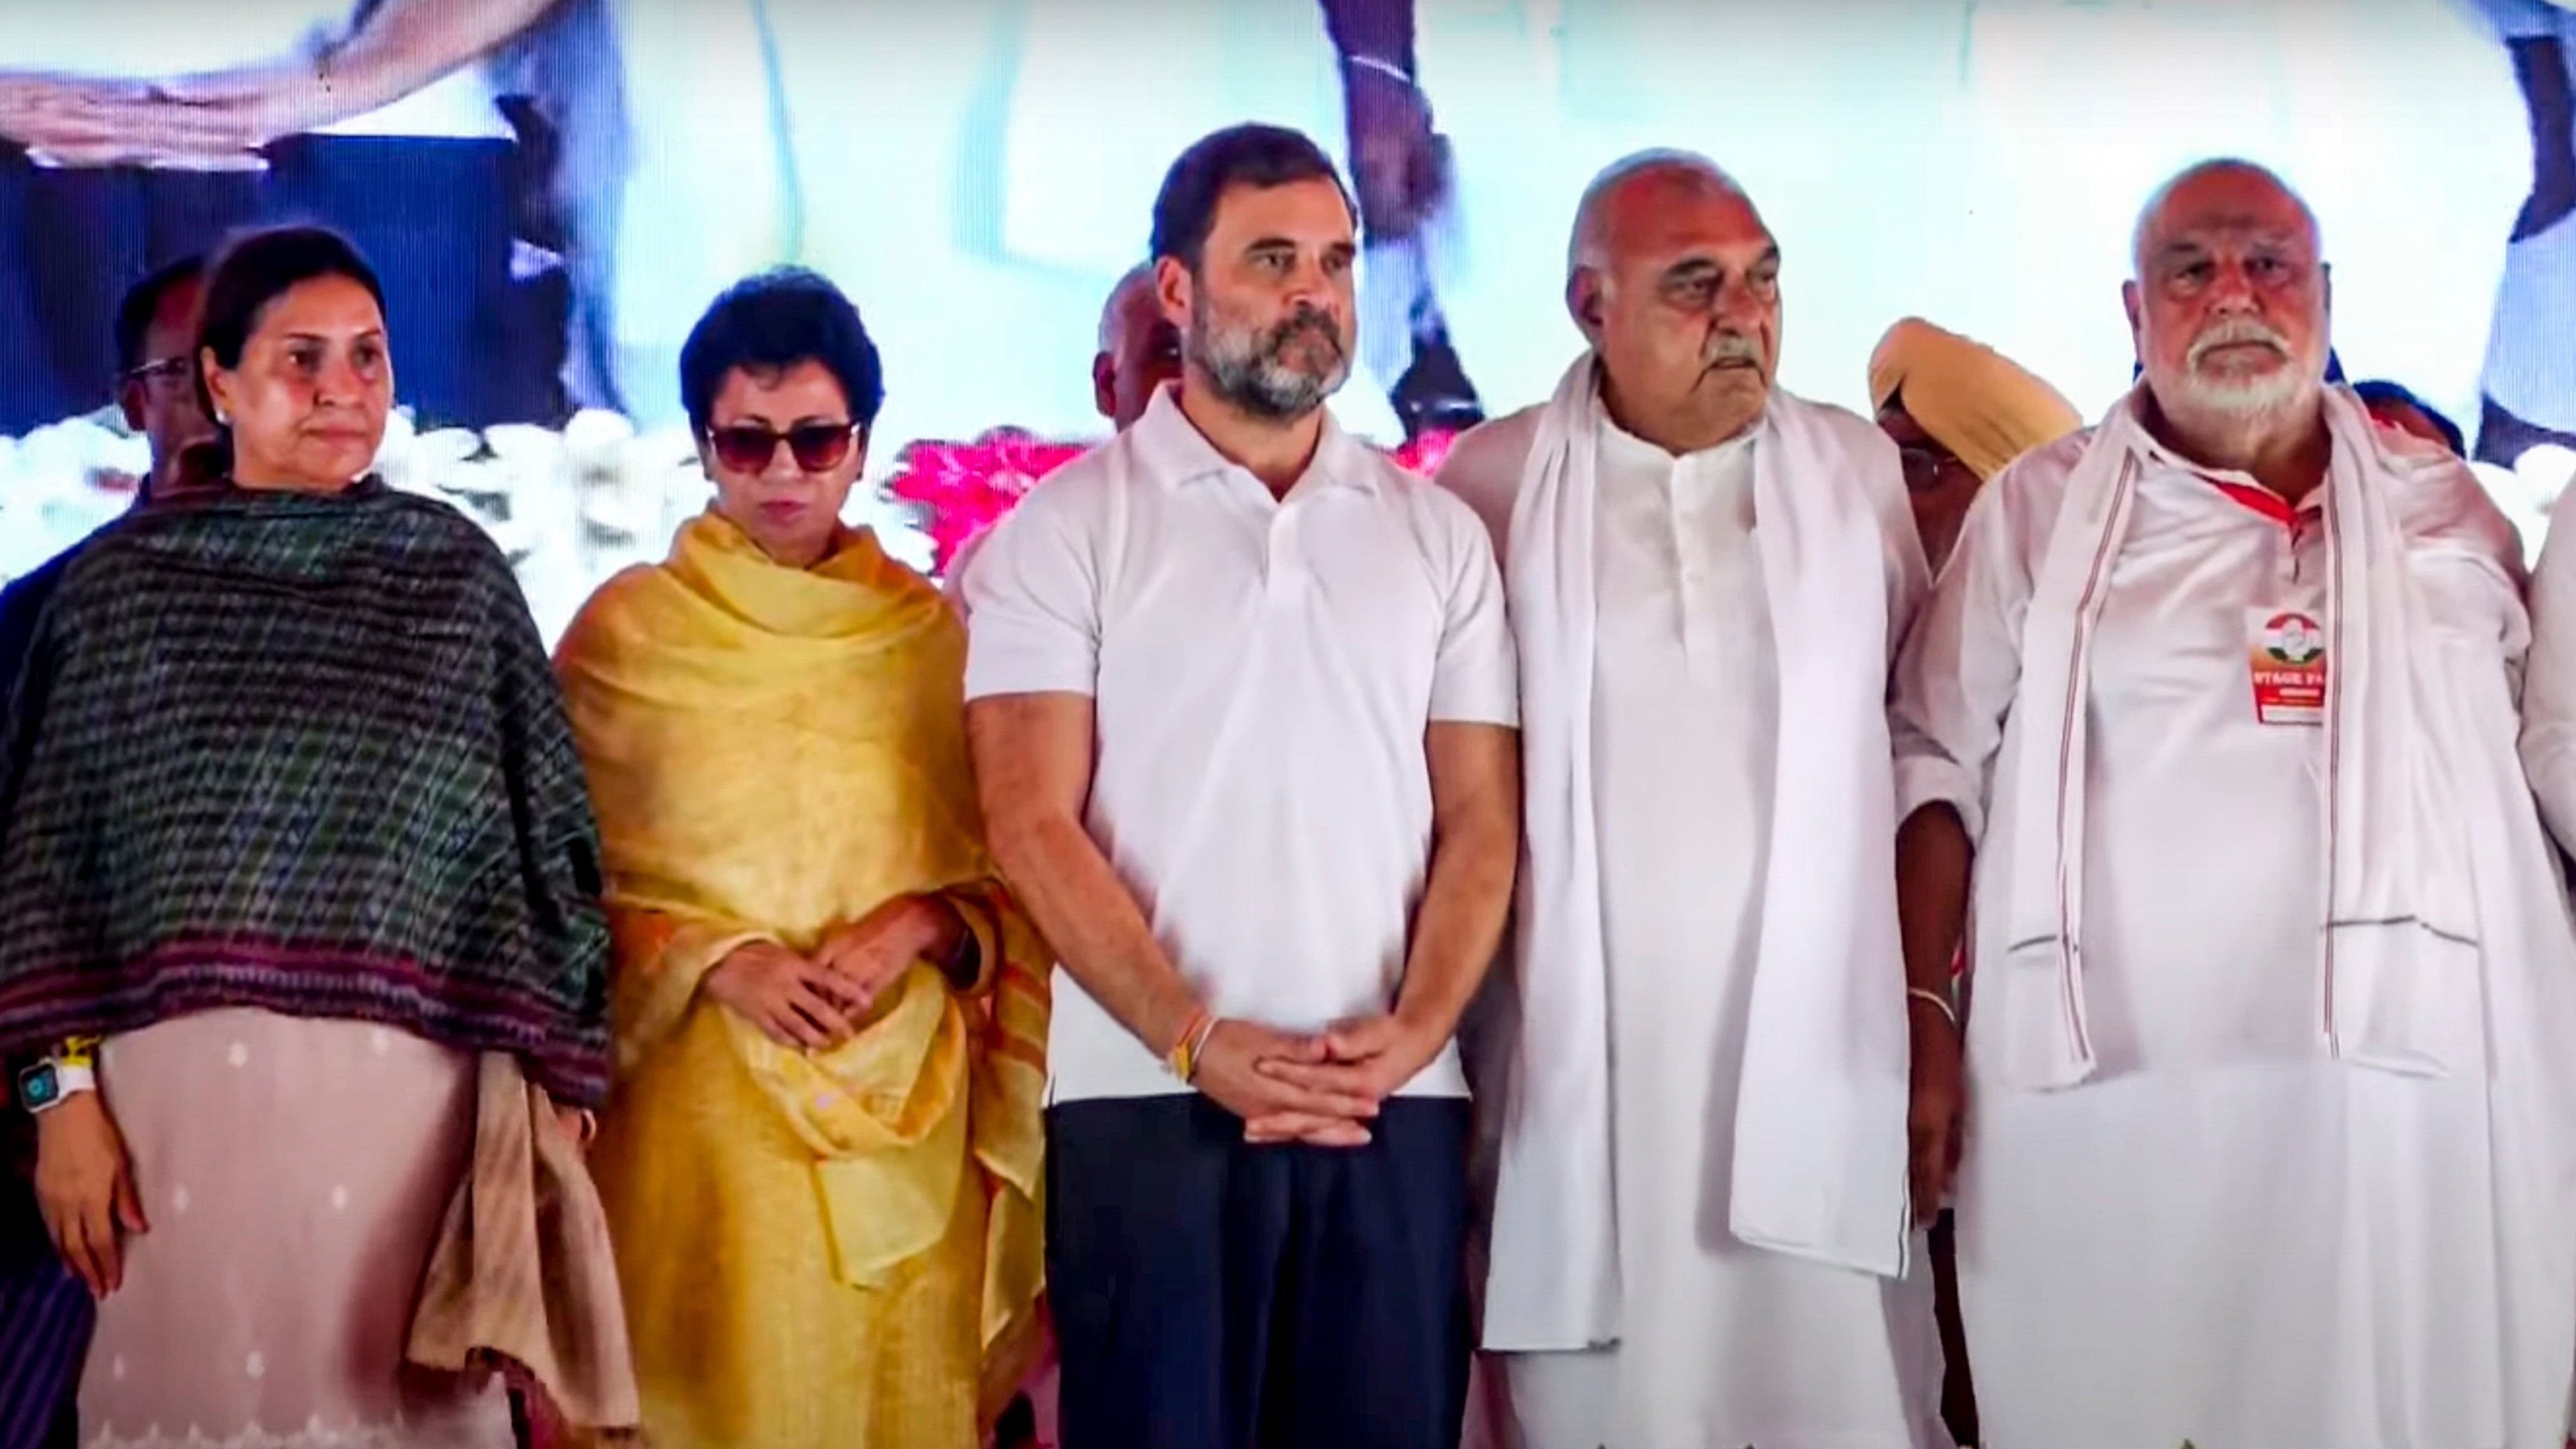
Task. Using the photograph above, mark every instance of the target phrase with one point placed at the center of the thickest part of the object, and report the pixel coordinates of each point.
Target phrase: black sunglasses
(819, 447)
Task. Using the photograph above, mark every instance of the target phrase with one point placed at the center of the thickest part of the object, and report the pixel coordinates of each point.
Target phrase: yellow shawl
(775, 752)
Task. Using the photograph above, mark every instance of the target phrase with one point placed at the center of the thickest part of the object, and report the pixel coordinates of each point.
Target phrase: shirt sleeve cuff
(1467, 708)
(1026, 676)
(1930, 780)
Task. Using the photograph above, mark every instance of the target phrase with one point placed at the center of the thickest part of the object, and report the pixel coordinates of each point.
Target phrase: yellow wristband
(77, 1051)
(1183, 1059)
(1198, 1044)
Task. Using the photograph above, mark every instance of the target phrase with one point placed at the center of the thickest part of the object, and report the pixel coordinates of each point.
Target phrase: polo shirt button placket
(1283, 571)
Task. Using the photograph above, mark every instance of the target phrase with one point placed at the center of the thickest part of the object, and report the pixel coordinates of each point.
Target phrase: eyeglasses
(1924, 464)
(819, 447)
(169, 372)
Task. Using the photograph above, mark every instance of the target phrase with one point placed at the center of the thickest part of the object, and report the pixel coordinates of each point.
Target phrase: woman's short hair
(770, 323)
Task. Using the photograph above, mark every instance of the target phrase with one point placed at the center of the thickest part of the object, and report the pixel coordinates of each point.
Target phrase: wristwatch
(45, 1086)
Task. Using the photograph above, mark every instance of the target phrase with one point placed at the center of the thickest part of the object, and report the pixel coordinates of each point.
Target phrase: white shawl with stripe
(2398, 938)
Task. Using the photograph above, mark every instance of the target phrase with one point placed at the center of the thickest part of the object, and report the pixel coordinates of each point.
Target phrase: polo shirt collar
(1175, 452)
(2237, 487)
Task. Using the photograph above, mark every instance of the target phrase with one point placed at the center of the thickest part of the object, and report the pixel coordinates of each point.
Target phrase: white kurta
(1723, 1344)
(2225, 1236)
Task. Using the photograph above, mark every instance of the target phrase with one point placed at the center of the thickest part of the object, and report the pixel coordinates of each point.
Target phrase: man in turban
(1959, 411)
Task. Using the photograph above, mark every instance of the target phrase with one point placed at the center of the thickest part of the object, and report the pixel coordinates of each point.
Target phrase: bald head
(1132, 299)
(2228, 306)
(1675, 282)
(2216, 192)
(1642, 181)
(1139, 350)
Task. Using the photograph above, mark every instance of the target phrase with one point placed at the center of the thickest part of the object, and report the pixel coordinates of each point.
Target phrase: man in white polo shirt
(1242, 702)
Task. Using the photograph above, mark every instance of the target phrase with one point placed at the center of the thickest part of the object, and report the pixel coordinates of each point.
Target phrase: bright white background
(977, 172)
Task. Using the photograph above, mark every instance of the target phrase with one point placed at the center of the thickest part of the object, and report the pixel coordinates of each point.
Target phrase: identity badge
(2286, 651)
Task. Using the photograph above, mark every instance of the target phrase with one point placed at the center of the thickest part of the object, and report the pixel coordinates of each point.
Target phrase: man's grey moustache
(2237, 337)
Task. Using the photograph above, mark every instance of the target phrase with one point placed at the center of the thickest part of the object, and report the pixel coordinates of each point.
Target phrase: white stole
(1820, 1131)
(2398, 956)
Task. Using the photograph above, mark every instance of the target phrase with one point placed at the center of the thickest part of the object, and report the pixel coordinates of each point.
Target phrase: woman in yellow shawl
(821, 1158)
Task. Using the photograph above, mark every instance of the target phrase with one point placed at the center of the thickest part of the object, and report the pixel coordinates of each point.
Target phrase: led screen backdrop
(554, 191)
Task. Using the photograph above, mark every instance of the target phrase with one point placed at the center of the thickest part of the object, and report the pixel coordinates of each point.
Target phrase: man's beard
(2251, 396)
(1250, 369)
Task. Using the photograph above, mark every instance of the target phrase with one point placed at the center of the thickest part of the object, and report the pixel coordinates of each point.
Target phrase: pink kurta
(294, 1173)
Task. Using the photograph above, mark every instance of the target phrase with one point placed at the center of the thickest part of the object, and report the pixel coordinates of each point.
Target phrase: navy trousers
(1214, 1295)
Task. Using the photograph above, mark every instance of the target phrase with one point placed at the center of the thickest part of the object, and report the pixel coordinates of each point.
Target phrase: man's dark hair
(771, 322)
(142, 301)
(2379, 393)
(1252, 155)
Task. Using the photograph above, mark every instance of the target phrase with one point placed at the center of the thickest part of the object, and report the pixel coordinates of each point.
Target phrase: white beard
(2247, 398)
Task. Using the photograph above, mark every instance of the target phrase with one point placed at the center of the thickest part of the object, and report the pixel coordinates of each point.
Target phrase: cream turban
(1972, 399)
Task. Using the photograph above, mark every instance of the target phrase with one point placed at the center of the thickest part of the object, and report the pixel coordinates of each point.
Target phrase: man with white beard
(1701, 1234)
(2273, 1141)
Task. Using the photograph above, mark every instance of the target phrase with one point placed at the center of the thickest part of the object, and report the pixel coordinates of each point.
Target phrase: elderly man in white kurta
(1701, 1234)
(2272, 1138)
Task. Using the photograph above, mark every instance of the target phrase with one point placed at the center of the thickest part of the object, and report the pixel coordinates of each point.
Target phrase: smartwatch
(44, 1086)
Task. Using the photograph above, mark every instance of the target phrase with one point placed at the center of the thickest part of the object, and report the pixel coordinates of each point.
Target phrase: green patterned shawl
(306, 754)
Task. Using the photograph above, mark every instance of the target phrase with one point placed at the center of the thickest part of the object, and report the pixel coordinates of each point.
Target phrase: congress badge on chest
(2286, 653)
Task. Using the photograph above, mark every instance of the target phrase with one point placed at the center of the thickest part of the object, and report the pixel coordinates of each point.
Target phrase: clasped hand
(818, 1001)
(1324, 1089)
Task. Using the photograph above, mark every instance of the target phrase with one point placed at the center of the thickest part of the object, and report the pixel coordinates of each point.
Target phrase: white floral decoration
(569, 507)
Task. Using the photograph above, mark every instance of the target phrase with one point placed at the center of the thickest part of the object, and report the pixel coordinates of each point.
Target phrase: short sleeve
(1032, 599)
(2467, 555)
(1960, 667)
(1476, 679)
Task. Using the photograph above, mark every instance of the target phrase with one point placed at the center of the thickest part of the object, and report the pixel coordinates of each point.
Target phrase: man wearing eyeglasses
(2209, 729)
(156, 334)
(1958, 411)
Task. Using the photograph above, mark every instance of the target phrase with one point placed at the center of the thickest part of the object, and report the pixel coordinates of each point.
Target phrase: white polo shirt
(1262, 672)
